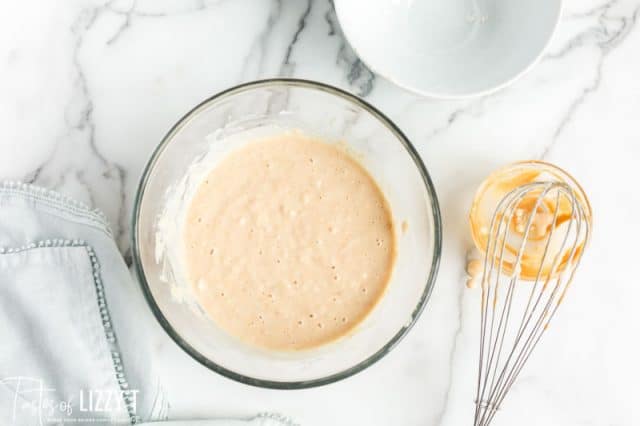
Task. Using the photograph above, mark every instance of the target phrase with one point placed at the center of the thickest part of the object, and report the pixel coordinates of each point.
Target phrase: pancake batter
(289, 243)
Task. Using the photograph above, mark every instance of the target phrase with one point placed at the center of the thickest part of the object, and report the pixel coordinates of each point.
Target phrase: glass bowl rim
(275, 384)
(568, 177)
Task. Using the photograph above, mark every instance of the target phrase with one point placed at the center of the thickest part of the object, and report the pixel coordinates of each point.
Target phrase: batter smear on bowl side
(289, 243)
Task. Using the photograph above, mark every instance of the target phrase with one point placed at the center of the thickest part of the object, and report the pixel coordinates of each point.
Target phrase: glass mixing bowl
(336, 117)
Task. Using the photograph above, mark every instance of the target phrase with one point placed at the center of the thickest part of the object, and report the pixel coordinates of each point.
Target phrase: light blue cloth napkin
(71, 348)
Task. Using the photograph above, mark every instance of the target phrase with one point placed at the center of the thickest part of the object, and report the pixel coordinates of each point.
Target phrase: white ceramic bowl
(449, 48)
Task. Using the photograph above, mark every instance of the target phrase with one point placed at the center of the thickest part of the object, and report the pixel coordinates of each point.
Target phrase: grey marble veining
(90, 87)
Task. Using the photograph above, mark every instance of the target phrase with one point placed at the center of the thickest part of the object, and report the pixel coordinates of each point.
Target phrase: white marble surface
(88, 88)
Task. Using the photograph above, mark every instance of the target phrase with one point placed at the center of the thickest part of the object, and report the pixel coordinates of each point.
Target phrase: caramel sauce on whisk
(546, 215)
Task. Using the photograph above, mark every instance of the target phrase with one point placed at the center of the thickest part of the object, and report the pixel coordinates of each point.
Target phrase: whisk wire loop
(507, 270)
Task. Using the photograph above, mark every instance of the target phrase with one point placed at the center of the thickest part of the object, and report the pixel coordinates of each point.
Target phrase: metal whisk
(520, 292)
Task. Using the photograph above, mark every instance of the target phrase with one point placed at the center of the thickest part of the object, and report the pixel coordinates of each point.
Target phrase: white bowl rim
(450, 96)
